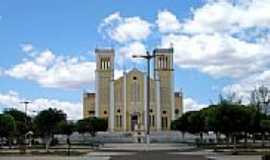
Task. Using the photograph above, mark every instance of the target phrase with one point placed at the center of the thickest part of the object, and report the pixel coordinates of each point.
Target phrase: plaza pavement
(146, 147)
(141, 155)
(217, 156)
(133, 151)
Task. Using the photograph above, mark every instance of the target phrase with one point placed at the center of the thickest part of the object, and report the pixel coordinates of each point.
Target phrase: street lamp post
(148, 57)
(25, 110)
(25, 118)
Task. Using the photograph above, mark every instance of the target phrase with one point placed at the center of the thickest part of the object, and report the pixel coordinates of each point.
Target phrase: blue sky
(46, 47)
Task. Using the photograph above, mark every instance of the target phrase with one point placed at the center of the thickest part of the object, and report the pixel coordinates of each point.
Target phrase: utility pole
(148, 57)
(25, 110)
(25, 118)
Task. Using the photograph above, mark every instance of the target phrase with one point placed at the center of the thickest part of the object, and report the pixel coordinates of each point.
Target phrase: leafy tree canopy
(7, 125)
(92, 125)
(23, 122)
(47, 120)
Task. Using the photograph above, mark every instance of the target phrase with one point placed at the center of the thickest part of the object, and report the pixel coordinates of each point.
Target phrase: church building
(123, 101)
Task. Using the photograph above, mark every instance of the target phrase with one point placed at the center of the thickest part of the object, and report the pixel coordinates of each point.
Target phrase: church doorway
(134, 121)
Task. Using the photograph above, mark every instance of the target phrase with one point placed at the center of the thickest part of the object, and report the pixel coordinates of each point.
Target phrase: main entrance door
(134, 121)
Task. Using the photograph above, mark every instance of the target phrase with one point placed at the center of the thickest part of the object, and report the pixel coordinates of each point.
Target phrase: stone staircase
(130, 137)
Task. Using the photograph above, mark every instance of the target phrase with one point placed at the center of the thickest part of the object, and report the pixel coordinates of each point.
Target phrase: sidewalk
(145, 147)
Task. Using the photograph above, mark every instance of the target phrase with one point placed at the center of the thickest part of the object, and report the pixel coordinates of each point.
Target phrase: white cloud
(225, 38)
(27, 47)
(131, 49)
(45, 58)
(167, 22)
(113, 17)
(50, 70)
(222, 38)
(118, 74)
(191, 105)
(125, 29)
(245, 86)
(225, 16)
(13, 100)
(219, 54)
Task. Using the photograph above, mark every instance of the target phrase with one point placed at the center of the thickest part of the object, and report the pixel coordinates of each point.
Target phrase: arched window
(166, 63)
(152, 120)
(164, 122)
(101, 63)
(159, 62)
(109, 64)
(135, 90)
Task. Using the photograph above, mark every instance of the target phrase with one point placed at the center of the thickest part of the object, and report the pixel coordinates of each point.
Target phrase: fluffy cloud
(27, 47)
(132, 48)
(50, 70)
(244, 87)
(221, 38)
(191, 105)
(167, 22)
(224, 16)
(219, 54)
(234, 42)
(125, 29)
(45, 58)
(13, 99)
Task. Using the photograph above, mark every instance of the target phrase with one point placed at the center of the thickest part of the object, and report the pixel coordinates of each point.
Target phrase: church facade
(123, 101)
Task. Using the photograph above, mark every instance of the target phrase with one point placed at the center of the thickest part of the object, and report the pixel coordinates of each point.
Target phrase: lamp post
(25, 118)
(25, 110)
(148, 57)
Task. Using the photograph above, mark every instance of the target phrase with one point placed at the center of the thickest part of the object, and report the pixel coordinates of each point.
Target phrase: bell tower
(164, 74)
(104, 76)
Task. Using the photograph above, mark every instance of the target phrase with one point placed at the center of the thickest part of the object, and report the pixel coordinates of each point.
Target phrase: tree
(265, 125)
(99, 124)
(181, 124)
(66, 128)
(7, 126)
(92, 125)
(197, 123)
(46, 123)
(259, 98)
(210, 122)
(23, 122)
(227, 119)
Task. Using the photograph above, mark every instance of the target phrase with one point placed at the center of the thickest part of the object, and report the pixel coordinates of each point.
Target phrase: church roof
(104, 51)
(163, 50)
(134, 71)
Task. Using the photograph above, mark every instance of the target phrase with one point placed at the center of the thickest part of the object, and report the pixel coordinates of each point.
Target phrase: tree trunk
(227, 139)
(47, 142)
(232, 139)
(263, 139)
(234, 143)
(1, 141)
(217, 137)
(68, 145)
(201, 137)
(246, 138)
(9, 142)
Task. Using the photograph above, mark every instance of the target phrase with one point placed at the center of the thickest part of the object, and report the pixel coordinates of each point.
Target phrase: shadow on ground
(157, 155)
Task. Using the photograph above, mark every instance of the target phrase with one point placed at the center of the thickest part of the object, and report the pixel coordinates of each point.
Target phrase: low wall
(121, 137)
